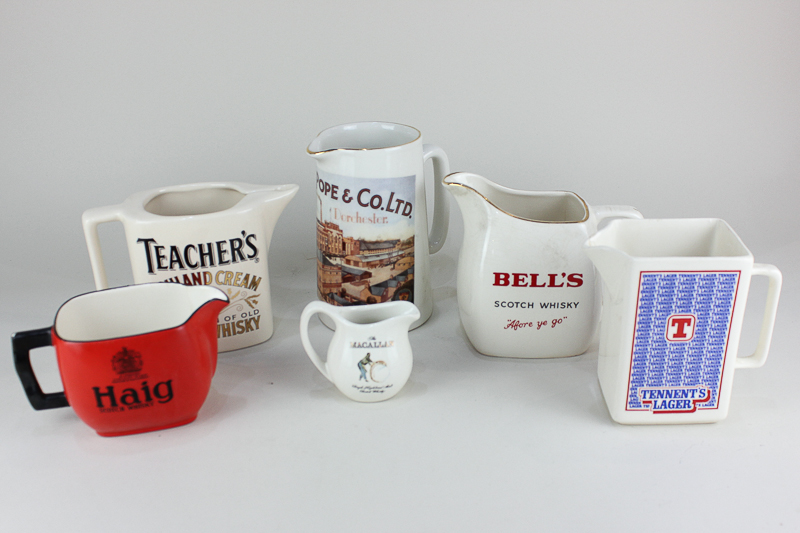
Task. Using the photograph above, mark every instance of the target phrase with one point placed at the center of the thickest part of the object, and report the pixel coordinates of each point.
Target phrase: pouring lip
(138, 202)
(689, 228)
(509, 189)
(350, 314)
(221, 297)
(317, 152)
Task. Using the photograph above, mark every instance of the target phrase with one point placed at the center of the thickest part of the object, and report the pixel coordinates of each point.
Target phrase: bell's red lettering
(521, 279)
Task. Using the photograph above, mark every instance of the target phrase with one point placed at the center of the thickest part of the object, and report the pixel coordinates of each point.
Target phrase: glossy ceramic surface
(373, 243)
(369, 358)
(215, 234)
(131, 359)
(525, 287)
(674, 295)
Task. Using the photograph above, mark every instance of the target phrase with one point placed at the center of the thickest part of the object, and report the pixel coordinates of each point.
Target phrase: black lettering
(191, 264)
(99, 396)
(149, 257)
(166, 396)
(160, 258)
(252, 246)
(221, 253)
(146, 391)
(129, 397)
(236, 250)
(175, 258)
(206, 256)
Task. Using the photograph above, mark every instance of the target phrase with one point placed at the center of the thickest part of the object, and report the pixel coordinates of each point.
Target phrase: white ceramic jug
(674, 295)
(369, 358)
(373, 243)
(525, 287)
(202, 234)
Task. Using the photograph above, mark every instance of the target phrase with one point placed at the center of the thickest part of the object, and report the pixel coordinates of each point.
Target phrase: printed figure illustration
(365, 239)
(378, 370)
(362, 367)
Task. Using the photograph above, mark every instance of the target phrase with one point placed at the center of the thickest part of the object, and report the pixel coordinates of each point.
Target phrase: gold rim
(585, 206)
(419, 135)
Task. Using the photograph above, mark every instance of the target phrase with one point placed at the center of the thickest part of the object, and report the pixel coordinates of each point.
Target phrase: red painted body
(145, 382)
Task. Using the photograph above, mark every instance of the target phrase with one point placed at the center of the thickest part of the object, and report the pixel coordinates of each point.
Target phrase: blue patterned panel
(680, 339)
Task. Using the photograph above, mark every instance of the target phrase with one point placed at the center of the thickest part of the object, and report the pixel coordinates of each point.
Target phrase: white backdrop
(681, 109)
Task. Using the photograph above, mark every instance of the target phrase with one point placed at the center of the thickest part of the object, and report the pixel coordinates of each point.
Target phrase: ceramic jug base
(530, 353)
(148, 429)
(614, 404)
(530, 356)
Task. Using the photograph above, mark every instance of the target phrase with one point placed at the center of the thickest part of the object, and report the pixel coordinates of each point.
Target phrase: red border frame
(694, 326)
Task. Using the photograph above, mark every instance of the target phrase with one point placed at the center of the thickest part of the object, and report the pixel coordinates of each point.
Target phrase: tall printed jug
(202, 234)
(525, 287)
(373, 243)
(674, 295)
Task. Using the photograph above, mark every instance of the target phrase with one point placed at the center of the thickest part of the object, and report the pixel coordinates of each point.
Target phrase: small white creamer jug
(369, 358)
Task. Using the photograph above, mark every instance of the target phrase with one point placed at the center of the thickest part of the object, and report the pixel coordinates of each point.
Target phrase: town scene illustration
(365, 254)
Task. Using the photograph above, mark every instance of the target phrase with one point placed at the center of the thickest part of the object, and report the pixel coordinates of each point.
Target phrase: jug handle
(312, 309)
(441, 207)
(759, 357)
(22, 343)
(616, 211)
(91, 218)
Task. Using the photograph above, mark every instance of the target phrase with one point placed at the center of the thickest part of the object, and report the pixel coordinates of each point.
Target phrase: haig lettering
(202, 255)
(133, 398)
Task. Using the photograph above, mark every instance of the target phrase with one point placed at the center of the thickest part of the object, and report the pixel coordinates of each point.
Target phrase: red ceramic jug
(132, 359)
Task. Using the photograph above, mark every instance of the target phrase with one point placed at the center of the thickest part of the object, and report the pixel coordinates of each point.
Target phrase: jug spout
(610, 262)
(273, 200)
(407, 314)
(468, 185)
(278, 196)
(472, 193)
(318, 156)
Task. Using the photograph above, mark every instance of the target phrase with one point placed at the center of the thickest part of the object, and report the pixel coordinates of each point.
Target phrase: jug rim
(529, 193)
(345, 149)
(137, 202)
(407, 309)
(222, 297)
(700, 235)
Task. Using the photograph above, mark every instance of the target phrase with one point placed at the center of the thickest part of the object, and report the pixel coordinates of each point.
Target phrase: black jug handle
(22, 343)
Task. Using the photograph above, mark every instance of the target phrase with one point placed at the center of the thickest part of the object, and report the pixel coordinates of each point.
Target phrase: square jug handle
(91, 219)
(758, 358)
